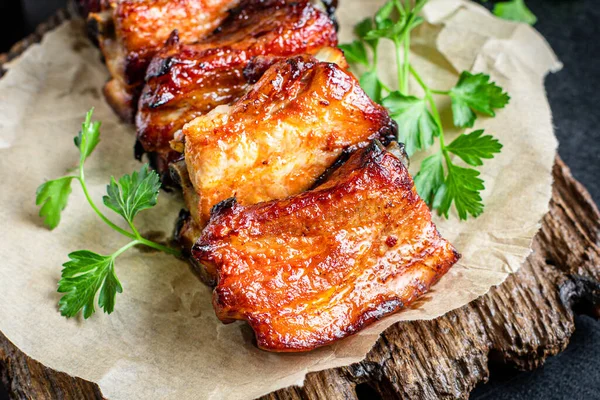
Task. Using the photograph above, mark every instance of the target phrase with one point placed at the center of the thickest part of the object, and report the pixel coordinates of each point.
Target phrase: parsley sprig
(515, 10)
(87, 272)
(441, 182)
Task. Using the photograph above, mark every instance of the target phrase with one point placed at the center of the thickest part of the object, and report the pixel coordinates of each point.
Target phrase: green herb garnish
(440, 181)
(515, 10)
(87, 272)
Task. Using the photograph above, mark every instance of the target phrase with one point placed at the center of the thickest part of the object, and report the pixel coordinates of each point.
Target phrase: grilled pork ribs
(313, 268)
(280, 137)
(185, 81)
(130, 32)
(307, 226)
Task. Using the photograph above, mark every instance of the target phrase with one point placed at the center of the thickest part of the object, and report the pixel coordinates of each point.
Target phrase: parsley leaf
(355, 52)
(383, 14)
(86, 272)
(474, 147)
(416, 126)
(387, 30)
(88, 137)
(385, 27)
(515, 10)
(371, 85)
(439, 182)
(462, 187)
(362, 29)
(475, 93)
(53, 195)
(133, 193)
(82, 277)
(430, 177)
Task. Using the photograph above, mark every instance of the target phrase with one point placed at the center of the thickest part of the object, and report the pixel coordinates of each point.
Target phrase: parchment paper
(164, 341)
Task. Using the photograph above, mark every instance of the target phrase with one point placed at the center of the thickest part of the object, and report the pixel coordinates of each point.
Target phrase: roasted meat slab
(307, 226)
(282, 135)
(316, 267)
(131, 31)
(188, 80)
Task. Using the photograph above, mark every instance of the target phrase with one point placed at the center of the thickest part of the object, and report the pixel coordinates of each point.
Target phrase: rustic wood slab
(522, 322)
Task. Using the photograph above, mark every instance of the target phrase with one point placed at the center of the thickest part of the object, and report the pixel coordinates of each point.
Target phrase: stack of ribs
(301, 212)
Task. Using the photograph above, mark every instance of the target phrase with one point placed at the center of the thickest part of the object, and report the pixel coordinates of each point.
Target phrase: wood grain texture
(522, 322)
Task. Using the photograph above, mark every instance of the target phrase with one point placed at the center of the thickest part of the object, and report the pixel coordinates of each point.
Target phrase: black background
(572, 27)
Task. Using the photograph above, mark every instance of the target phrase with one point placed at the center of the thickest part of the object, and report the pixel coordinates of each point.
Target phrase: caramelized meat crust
(316, 267)
(191, 223)
(185, 81)
(131, 31)
(282, 135)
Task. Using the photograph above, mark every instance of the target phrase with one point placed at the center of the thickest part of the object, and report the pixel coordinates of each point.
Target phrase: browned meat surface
(282, 135)
(316, 267)
(131, 31)
(308, 227)
(188, 80)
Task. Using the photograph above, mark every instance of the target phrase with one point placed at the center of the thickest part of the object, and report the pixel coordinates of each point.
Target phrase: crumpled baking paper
(163, 340)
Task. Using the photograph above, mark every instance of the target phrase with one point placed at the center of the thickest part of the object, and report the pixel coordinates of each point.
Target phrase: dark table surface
(572, 27)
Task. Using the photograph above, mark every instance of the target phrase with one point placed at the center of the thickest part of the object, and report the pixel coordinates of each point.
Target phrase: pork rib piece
(190, 224)
(314, 268)
(131, 31)
(185, 81)
(281, 136)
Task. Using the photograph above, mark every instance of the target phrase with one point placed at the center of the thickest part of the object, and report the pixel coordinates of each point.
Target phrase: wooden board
(522, 322)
